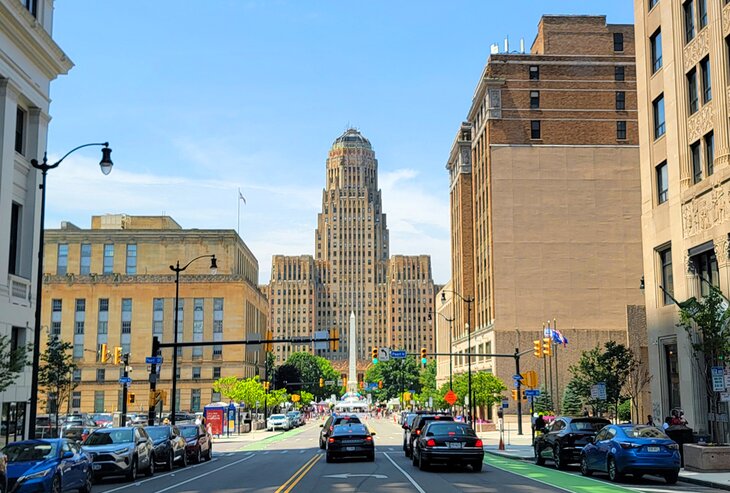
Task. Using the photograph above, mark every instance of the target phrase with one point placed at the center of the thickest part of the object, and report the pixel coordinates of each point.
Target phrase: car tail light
(673, 446)
(629, 445)
(369, 438)
(479, 443)
(418, 432)
(431, 442)
(331, 440)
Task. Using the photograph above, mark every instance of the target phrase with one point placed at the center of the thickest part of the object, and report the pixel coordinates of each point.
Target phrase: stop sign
(450, 397)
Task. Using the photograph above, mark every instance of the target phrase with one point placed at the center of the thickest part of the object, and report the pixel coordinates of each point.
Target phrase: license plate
(350, 449)
(652, 449)
(455, 445)
(96, 467)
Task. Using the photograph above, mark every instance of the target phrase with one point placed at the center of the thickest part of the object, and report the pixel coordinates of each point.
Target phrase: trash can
(680, 434)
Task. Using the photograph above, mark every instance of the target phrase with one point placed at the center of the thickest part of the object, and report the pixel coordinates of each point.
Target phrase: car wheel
(88, 480)
(132, 473)
(557, 460)
(56, 485)
(584, 467)
(613, 472)
(209, 453)
(422, 464)
(198, 456)
(371, 457)
(539, 460)
(477, 466)
(328, 458)
(184, 460)
(170, 460)
(151, 469)
(414, 459)
(672, 477)
(321, 444)
(409, 452)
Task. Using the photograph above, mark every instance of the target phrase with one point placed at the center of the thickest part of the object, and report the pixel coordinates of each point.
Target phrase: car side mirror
(321, 426)
(372, 433)
(406, 427)
(142, 440)
(67, 455)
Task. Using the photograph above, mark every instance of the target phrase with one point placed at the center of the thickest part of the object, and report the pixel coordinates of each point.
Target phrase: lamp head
(641, 283)
(106, 159)
(213, 265)
(443, 297)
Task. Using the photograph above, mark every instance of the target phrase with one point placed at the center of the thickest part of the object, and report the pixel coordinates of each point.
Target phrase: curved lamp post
(468, 300)
(106, 167)
(177, 270)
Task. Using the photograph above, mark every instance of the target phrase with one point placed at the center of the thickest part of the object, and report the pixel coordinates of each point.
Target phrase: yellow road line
(297, 476)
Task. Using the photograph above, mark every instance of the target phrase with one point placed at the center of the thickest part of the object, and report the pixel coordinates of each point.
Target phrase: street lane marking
(348, 475)
(408, 476)
(297, 476)
(284, 451)
(205, 474)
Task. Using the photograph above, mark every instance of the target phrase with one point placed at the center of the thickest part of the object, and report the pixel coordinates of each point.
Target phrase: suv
(419, 422)
(120, 451)
(330, 424)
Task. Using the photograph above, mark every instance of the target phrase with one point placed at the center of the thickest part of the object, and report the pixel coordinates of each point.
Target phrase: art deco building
(351, 271)
(682, 73)
(545, 198)
(112, 285)
(29, 60)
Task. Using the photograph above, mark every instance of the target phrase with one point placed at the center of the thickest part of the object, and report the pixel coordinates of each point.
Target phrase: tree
(427, 379)
(288, 377)
(250, 391)
(639, 378)
(312, 368)
(396, 374)
(12, 361)
(485, 387)
(543, 403)
(572, 401)
(56, 372)
(227, 386)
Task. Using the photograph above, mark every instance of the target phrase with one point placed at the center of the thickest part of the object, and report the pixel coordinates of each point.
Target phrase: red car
(198, 443)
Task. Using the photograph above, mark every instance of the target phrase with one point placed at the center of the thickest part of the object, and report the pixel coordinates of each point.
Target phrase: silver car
(278, 421)
(120, 452)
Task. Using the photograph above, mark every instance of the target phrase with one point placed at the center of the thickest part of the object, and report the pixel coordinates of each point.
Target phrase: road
(292, 462)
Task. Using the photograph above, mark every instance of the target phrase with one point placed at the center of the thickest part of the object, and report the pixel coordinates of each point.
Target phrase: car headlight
(35, 475)
(124, 450)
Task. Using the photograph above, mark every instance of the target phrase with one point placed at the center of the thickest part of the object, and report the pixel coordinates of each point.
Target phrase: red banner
(215, 418)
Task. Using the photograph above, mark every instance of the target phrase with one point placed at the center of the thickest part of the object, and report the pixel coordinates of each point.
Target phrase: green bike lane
(265, 442)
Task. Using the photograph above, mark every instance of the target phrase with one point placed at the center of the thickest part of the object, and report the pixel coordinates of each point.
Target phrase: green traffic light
(423, 361)
(375, 361)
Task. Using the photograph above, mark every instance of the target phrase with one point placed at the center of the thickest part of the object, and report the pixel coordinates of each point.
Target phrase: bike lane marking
(553, 477)
(264, 442)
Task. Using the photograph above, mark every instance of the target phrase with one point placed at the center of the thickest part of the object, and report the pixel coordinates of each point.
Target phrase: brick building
(545, 197)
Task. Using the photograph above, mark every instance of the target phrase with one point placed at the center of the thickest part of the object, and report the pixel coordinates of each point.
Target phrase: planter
(704, 458)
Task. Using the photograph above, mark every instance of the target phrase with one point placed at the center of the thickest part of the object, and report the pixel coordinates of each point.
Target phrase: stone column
(719, 87)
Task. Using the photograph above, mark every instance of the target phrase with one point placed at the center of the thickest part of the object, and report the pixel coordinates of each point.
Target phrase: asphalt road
(293, 462)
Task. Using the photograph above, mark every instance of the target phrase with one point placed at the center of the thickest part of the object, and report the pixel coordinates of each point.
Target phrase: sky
(201, 98)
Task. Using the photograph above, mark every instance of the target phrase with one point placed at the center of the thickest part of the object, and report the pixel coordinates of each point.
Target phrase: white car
(278, 421)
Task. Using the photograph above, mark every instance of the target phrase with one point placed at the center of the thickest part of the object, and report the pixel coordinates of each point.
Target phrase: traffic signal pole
(152, 405)
(519, 391)
(125, 391)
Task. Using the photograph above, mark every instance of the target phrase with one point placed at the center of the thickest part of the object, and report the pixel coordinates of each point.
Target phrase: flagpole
(550, 363)
(557, 386)
(544, 366)
(238, 201)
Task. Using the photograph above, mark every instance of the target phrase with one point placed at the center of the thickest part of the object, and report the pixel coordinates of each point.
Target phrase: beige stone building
(112, 285)
(682, 74)
(545, 198)
(352, 271)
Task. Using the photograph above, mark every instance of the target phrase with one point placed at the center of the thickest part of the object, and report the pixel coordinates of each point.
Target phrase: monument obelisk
(352, 374)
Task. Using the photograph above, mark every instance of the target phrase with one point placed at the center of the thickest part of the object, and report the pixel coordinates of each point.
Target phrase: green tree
(227, 386)
(396, 374)
(56, 372)
(312, 368)
(12, 361)
(624, 410)
(572, 401)
(486, 388)
(288, 377)
(543, 403)
(427, 379)
(250, 391)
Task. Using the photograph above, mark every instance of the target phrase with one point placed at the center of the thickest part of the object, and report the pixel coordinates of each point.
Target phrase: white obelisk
(352, 376)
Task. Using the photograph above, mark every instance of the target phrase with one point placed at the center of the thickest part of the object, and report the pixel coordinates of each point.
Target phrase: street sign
(321, 344)
(295, 398)
(125, 380)
(505, 403)
(724, 396)
(153, 360)
(340, 382)
(598, 391)
(329, 382)
(383, 354)
(450, 397)
(718, 379)
(517, 377)
(399, 354)
(532, 392)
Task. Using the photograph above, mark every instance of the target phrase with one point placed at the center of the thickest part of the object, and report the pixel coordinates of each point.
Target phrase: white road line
(205, 474)
(302, 451)
(408, 476)
(284, 451)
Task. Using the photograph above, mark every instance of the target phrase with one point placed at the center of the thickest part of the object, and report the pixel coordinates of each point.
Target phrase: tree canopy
(12, 361)
(396, 374)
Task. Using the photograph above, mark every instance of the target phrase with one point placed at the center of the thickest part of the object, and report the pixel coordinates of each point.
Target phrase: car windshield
(410, 418)
(157, 432)
(189, 431)
(452, 429)
(346, 419)
(426, 419)
(277, 416)
(587, 425)
(30, 451)
(110, 437)
(350, 429)
(644, 432)
(292, 414)
(102, 417)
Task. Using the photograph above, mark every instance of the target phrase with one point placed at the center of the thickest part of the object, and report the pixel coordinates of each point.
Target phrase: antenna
(522, 45)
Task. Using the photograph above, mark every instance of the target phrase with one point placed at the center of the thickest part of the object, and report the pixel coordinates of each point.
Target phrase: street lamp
(177, 270)
(451, 368)
(468, 300)
(106, 168)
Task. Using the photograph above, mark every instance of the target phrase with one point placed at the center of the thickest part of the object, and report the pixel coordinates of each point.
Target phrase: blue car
(631, 449)
(47, 465)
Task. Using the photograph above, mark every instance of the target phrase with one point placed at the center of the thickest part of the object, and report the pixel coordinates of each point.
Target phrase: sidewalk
(519, 447)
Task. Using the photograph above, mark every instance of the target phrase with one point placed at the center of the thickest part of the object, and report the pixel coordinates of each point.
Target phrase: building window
(618, 41)
(62, 259)
(108, 258)
(100, 374)
(78, 351)
(535, 129)
(621, 130)
(56, 307)
(706, 80)
(710, 152)
(98, 401)
(14, 255)
(696, 158)
(534, 99)
(692, 91)
(131, 259)
(196, 372)
(620, 100)
(158, 317)
(216, 372)
(665, 261)
(652, 3)
(217, 315)
(215, 396)
(534, 72)
(689, 21)
(126, 315)
(20, 130)
(706, 267)
(85, 259)
(702, 12)
(656, 50)
(80, 316)
(671, 359)
(619, 72)
(195, 400)
(217, 351)
(102, 325)
(76, 399)
(659, 121)
(662, 183)
(17, 338)
(198, 327)
(77, 375)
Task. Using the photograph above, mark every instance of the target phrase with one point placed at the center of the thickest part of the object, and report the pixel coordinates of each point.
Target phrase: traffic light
(362, 385)
(269, 346)
(424, 354)
(266, 385)
(103, 355)
(380, 384)
(321, 382)
(334, 345)
(130, 398)
(117, 355)
(514, 394)
(521, 394)
(547, 347)
(344, 382)
(374, 353)
(537, 348)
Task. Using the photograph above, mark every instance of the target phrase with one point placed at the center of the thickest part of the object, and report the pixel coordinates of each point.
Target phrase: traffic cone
(501, 443)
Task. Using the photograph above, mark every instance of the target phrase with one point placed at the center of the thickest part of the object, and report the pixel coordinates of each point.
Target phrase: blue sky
(198, 98)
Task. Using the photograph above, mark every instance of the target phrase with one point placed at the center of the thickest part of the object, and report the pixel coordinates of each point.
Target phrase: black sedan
(331, 422)
(448, 443)
(350, 440)
(169, 445)
(564, 439)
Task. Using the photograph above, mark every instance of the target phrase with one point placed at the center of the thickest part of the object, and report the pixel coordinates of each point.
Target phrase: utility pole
(519, 391)
(125, 390)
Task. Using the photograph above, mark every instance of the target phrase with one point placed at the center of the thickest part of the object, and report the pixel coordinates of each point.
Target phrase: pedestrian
(650, 421)
(667, 422)
(585, 412)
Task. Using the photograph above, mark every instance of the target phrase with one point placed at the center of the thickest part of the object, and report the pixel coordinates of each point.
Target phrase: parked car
(406, 423)
(77, 427)
(564, 439)
(350, 440)
(120, 451)
(278, 421)
(450, 443)
(330, 424)
(419, 422)
(198, 442)
(45, 426)
(3, 473)
(103, 420)
(295, 417)
(47, 465)
(182, 417)
(631, 449)
(169, 446)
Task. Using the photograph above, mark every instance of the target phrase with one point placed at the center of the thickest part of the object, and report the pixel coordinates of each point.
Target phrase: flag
(559, 338)
(241, 197)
